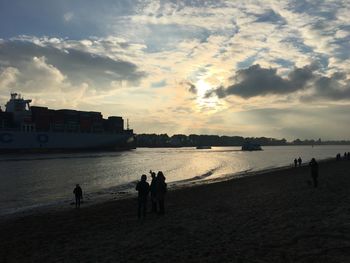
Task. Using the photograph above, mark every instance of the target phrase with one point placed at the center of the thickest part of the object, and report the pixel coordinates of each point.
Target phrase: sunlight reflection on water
(31, 179)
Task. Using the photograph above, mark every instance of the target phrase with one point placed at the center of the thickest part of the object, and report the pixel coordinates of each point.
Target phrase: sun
(202, 101)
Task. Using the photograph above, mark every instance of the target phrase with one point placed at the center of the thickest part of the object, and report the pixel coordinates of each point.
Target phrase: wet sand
(270, 217)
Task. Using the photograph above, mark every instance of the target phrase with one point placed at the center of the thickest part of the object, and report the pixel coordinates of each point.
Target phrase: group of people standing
(297, 162)
(158, 188)
(346, 156)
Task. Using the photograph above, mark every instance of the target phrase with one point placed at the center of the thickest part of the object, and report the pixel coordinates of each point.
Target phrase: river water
(32, 180)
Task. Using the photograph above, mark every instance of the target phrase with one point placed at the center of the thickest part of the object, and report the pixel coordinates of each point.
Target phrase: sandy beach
(269, 217)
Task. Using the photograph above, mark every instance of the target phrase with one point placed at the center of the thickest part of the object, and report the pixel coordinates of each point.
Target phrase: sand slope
(272, 217)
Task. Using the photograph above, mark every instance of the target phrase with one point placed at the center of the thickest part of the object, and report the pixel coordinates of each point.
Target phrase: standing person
(161, 190)
(153, 190)
(78, 195)
(299, 161)
(314, 171)
(295, 162)
(143, 188)
(338, 157)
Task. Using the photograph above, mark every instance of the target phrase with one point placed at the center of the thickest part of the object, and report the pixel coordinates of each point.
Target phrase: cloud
(258, 81)
(270, 16)
(335, 88)
(191, 87)
(159, 84)
(8, 77)
(308, 82)
(76, 64)
(67, 17)
(257, 53)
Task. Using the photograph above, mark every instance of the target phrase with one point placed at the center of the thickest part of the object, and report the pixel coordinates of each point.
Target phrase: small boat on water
(249, 146)
(203, 147)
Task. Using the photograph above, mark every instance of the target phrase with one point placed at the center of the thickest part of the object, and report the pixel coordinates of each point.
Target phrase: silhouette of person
(338, 157)
(161, 191)
(348, 155)
(143, 188)
(295, 162)
(78, 195)
(314, 171)
(153, 190)
(300, 161)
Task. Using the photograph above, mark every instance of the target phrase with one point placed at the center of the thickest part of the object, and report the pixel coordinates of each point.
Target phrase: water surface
(38, 179)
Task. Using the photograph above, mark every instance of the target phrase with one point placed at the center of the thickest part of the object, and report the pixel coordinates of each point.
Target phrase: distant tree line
(193, 140)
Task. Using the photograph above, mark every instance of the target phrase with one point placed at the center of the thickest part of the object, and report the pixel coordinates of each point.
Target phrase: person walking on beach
(299, 161)
(153, 190)
(314, 171)
(295, 162)
(78, 195)
(143, 188)
(161, 190)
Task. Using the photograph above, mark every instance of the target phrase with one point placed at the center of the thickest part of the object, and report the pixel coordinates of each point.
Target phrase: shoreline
(271, 217)
(98, 198)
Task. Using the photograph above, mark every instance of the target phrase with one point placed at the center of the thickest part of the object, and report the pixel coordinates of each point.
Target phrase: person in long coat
(161, 191)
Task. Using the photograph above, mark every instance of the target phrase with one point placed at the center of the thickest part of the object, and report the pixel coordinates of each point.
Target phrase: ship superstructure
(25, 127)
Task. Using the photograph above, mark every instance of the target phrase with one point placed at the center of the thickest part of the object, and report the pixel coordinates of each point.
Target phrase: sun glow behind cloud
(126, 57)
(210, 104)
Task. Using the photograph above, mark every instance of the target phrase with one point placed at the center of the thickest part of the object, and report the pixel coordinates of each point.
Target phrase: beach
(271, 216)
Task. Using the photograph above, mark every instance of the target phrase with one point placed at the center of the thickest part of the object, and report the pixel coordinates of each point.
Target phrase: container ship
(39, 129)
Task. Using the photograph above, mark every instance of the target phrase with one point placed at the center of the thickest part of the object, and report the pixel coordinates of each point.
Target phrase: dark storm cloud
(79, 66)
(258, 81)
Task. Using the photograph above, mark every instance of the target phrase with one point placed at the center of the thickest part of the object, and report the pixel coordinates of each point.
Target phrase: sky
(251, 68)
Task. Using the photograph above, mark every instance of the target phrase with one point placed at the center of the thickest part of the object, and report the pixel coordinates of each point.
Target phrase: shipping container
(6, 120)
(115, 124)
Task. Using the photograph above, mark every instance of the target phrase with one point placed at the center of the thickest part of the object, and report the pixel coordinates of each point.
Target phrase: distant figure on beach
(161, 190)
(153, 190)
(345, 156)
(143, 188)
(299, 161)
(314, 171)
(295, 162)
(78, 195)
(338, 157)
(348, 155)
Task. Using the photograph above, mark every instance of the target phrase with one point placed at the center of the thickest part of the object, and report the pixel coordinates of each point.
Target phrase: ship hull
(12, 141)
